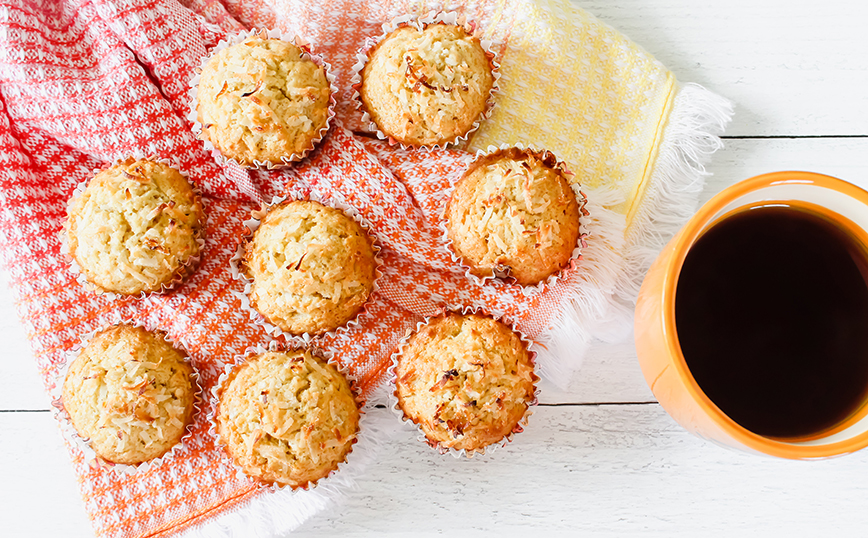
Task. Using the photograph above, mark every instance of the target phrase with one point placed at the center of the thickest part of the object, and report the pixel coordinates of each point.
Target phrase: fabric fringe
(278, 513)
(698, 119)
(603, 311)
(587, 304)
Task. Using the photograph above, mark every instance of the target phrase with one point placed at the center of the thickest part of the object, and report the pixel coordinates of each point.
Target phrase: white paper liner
(183, 272)
(71, 434)
(395, 406)
(503, 278)
(276, 346)
(305, 46)
(420, 23)
(253, 224)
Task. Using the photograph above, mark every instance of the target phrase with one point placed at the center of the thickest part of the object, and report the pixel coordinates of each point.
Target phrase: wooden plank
(610, 470)
(18, 367)
(791, 67)
(39, 496)
(844, 158)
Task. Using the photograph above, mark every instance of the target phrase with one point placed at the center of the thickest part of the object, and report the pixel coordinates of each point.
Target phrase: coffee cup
(749, 325)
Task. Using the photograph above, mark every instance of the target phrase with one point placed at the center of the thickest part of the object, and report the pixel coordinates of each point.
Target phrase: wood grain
(608, 470)
(792, 67)
(39, 495)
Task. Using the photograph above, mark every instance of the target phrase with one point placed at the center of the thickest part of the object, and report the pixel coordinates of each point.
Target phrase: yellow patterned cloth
(577, 87)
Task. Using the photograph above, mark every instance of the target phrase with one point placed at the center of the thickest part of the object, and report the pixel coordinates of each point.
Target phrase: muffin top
(312, 267)
(287, 417)
(261, 100)
(429, 87)
(466, 380)
(135, 227)
(514, 213)
(130, 392)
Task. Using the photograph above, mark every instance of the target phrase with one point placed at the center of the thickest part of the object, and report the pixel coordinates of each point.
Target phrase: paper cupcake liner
(395, 406)
(274, 345)
(305, 46)
(503, 279)
(253, 224)
(420, 23)
(183, 273)
(83, 443)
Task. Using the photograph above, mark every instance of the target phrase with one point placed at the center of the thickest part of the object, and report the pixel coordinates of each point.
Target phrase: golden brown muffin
(312, 267)
(466, 380)
(135, 227)
(131, 393)
(287, 417)
(513, 213)
(260, 100)
(426, 88)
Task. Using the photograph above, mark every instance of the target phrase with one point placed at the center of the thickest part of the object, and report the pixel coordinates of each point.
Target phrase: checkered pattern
(84, 82)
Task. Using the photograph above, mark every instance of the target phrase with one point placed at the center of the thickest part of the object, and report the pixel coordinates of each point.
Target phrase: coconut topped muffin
(513, 213)
(312, 267)
(426, 88)
(287, 417)
(466, 380)
(130, 393)
(136, 227)
(262, 100)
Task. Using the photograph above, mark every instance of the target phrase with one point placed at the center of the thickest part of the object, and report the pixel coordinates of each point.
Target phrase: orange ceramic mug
(657, 345)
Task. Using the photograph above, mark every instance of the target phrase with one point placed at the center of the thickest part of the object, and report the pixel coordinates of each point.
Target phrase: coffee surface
(772, 318)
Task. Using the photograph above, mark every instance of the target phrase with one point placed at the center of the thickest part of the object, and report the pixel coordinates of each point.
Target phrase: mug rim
(682, 244)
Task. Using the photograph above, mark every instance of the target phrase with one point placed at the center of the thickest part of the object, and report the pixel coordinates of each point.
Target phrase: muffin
(424, 88)
(136, 228)
(130, 393)
(514, 214)
(262, 101)
(287, 418)
(465, 380)
(312, 267)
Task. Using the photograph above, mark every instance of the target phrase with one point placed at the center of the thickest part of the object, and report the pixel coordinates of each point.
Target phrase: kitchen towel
(83, 82)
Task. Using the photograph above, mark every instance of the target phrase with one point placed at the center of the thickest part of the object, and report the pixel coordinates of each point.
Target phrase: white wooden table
(602, 458)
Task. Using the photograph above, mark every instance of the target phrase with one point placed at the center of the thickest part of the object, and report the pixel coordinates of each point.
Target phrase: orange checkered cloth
(83, 82)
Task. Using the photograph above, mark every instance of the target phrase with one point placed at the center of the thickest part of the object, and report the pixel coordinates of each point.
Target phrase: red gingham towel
(83, 82)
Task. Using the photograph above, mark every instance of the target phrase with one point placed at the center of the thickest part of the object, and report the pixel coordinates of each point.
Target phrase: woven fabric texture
(84, 82)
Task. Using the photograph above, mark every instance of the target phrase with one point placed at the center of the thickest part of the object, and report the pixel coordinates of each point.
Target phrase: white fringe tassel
(278, 513)
(616, 264)
(698, 118)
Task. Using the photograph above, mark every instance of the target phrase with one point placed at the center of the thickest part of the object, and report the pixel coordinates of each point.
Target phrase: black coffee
(772, 317)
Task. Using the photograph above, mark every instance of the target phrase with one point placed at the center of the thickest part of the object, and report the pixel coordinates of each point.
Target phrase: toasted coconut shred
(466, 380)
(513, 213)
(131, 393)
(287, 417)
(428, 87)
(135, 227)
